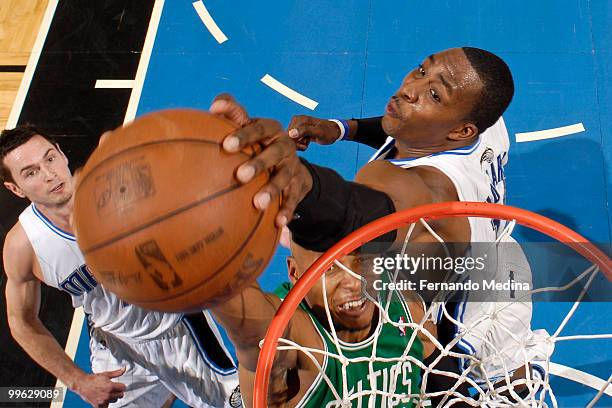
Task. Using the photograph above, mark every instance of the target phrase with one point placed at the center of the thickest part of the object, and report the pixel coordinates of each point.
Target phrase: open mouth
(353, 307)
(392, 108)
(57, 188)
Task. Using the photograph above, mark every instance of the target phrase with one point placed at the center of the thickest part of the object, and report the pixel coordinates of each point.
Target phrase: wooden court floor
(545, 52)
(81, 41)
(19, 22)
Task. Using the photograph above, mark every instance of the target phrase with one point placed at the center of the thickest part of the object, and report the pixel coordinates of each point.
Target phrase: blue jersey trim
(463, 344)
(53, 227)
(467, 346)
(537, 367)
(461, 151)
(385, 148)
(207, 360)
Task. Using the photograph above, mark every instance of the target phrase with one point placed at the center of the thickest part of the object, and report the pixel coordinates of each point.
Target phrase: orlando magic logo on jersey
(79, 281)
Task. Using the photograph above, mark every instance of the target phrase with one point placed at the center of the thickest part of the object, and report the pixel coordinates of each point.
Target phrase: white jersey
(63, 267)
(477, 172)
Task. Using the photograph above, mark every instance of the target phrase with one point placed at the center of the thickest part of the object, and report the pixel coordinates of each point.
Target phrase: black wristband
(334, 208)
(370, 132)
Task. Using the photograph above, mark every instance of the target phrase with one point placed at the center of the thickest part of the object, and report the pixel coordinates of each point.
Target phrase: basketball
(161, 219)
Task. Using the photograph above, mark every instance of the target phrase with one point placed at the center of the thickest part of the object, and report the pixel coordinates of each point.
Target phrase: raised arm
(22, 307)
(304, 129)
(329, 206)
(246, 318)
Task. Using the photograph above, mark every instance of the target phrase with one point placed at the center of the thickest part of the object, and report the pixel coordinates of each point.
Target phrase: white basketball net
(489, 387)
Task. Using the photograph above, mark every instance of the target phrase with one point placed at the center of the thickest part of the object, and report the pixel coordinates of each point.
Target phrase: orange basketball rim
(383, 225)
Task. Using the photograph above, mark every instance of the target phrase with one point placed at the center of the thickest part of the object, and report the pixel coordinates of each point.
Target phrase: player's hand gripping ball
(161, 219)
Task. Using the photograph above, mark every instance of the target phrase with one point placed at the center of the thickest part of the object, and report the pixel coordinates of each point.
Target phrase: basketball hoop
(400, 219)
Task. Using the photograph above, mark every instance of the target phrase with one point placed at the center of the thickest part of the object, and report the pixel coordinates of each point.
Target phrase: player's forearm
(332, 208)
(246, 316)
(368, 131)
(42, 347)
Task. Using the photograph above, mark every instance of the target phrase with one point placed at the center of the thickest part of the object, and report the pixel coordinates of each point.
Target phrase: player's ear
(292, 270)
(463, 132)
(14, 188)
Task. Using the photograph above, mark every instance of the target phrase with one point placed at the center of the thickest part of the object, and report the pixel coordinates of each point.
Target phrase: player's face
(433, 100)
(40, 172)
(352, 313)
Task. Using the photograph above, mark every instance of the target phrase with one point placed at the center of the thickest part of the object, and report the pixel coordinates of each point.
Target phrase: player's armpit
(406, 188)
(410, 188)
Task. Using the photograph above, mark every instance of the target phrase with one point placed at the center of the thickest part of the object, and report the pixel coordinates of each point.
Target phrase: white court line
(580, 377)
(288, 92)
(71, 347)
(114, 83)
(143, 64)
(79, 316)
(208, 21)
(549, 133)
(31, 67)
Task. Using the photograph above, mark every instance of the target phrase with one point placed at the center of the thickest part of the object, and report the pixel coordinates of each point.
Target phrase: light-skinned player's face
(40, 173)
(433, 100)
(352, 313)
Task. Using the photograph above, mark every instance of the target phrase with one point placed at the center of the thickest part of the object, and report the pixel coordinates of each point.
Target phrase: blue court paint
(350, 56)
(601, 15)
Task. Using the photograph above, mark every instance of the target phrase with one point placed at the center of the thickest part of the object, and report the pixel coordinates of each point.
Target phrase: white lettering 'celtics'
(63, 267)
(398, 376)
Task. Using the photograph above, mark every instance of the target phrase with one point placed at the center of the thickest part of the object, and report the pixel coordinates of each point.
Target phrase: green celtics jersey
(394, 377)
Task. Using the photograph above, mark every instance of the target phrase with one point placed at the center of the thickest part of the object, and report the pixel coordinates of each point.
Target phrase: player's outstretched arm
(334, 207)
(246, 318)
(304, 129)
(329, 206)
(22, 307)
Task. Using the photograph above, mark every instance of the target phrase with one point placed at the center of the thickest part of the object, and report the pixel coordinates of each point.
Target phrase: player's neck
(406, 150)
(357, 336)
(58, 214)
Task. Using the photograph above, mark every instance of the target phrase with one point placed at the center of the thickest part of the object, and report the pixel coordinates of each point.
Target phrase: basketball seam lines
(146, 145)
(161, 218)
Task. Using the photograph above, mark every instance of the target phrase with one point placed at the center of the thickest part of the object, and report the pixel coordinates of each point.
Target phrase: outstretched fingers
(259, 130)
